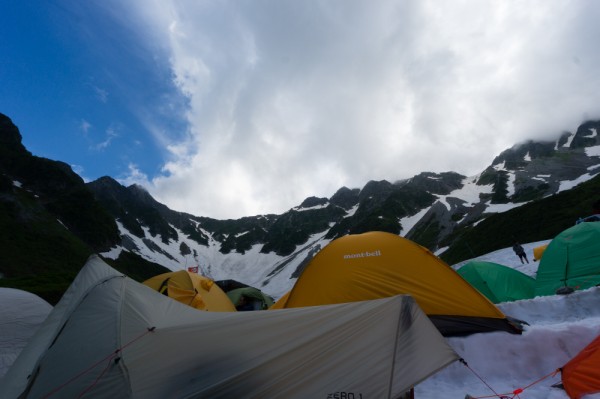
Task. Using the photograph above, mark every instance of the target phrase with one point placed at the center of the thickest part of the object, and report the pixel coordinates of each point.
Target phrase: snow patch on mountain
(302, 209)
(499, 208)
(252, 267)
(569, 140)
(569, 184)
(543, 178)
(470, 192)
(511, 184)
(592, 151)
(409, 222)
(593, 133)
(352, 211)
(500, 166)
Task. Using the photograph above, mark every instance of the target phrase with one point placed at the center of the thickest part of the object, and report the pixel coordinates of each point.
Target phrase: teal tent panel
(473, 277)
(498, 283)
(572, 259)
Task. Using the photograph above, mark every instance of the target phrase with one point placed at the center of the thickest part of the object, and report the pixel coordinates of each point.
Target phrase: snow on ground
(559, 327)
(507, 257)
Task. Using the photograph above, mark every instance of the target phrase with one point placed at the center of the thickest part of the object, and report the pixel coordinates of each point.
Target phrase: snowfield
(559, 327)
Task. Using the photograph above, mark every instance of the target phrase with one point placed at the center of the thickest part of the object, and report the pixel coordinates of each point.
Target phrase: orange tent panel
(581, 375)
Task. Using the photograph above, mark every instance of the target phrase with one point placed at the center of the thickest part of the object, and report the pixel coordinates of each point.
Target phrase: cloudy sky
(237, 108)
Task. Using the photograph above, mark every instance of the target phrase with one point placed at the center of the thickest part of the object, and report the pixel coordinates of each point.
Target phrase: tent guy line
(108, 358)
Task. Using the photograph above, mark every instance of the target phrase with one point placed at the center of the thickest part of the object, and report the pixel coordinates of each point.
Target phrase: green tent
(249, 298)
(572, 259)
(497, 282)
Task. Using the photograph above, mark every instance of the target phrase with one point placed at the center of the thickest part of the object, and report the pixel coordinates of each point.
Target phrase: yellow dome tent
(193, 290)
(377, 265)
(538, 252)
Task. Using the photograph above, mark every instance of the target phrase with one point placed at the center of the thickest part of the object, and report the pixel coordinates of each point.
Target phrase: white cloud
(134, 176)
(85, 126)
(101, 94)
(80, 171)
(290, 99)
(110, 134)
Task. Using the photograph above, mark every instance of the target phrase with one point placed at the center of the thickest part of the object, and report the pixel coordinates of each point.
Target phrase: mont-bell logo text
(363, 254)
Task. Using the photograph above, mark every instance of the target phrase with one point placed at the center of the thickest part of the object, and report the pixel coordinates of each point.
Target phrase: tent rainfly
(581, 375)
(250, 298)
(110, 337)
(538, 252)
(21, 314)
(192, 289)
(498, 283)
(245, 297)
(572, 259)
(377, 265)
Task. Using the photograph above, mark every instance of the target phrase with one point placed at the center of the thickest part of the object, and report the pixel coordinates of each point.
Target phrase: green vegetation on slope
(39, 254)
(135, 267)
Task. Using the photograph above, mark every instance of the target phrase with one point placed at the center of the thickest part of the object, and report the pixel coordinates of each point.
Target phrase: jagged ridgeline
(51, 220)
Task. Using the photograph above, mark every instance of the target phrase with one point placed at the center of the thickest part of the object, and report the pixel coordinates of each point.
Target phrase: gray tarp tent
(21, 314)
(110, 336)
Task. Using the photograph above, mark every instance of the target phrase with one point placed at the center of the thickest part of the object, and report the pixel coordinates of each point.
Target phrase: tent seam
(395, 347)
(119, 323)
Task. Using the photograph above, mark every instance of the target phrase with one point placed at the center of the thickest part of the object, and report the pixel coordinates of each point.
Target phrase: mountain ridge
(437, 210)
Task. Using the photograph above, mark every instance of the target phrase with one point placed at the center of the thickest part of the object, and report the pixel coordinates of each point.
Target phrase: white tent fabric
(21, 313)
(112, 337)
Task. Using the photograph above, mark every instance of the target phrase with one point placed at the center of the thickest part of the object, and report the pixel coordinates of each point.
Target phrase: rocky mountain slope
(441, 211)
